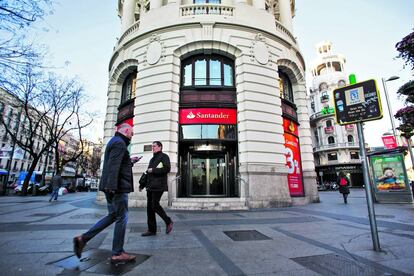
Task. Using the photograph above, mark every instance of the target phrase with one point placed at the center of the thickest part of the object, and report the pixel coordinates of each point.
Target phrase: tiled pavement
(328, 238)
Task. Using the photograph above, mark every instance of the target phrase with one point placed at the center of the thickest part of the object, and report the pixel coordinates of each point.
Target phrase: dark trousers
(153, 206)
(118, 213)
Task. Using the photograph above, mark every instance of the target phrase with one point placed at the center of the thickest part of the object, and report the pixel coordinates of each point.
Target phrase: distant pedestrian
(116, 183)
(158, 169)
(343, 183)
(56, 183)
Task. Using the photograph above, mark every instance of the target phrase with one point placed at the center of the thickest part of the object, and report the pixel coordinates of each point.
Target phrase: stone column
(259, 4)
(286, 14)
(155, 4)
(128, 13)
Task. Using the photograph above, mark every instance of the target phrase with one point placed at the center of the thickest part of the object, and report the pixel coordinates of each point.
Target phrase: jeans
(153, 206)
(118, 213)
(55, 193)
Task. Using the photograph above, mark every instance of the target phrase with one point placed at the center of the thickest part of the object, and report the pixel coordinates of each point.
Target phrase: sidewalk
(328, 238)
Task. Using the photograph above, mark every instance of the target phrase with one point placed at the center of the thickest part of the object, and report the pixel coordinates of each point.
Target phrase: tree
(16, 52)
(49, 109)
(406, 115)
(406, 49)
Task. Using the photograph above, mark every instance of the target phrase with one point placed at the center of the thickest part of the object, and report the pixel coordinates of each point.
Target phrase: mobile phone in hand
(135, 159)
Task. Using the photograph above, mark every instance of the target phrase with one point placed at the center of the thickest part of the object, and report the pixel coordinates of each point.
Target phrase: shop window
(332, 156)
(222, 132)
(285, 87)
(207, 70)
(129, 86)
(354, 155)
(350, 138)
(331, 140)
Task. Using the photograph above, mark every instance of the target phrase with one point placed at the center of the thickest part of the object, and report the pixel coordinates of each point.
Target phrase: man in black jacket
(158, 169)
(116, 183)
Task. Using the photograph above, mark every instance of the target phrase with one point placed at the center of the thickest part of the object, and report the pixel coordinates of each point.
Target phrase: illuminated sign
(208, 116)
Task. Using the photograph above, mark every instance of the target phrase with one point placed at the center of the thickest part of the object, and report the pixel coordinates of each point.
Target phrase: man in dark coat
(158, 169)
(56, 183)
(116, 183)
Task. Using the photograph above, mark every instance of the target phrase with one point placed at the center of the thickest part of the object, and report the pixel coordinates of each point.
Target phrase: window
(315, 133)
(328, 123)
(285, 87)
(225, 132)
(128, 87)
(207, 70)
(331, 140)
(333, 156)
(350, 138)
(354, 155)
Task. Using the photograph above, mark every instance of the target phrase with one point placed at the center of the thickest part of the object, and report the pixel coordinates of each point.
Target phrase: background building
(221, 85)
(21, 160)
(335, 147)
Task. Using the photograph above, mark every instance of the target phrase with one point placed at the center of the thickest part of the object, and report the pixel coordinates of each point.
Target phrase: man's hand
(149, 170)
(135, 159)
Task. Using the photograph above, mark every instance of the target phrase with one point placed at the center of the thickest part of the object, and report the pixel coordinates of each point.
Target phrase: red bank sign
(208, 116)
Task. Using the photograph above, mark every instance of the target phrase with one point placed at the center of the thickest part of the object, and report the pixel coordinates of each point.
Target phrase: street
(327, 238)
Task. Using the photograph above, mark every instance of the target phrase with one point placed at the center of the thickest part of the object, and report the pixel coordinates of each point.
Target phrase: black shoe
(169, 227)
(78, 245)
(148, 233)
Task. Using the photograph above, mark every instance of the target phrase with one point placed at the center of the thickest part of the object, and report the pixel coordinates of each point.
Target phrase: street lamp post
(389, 104)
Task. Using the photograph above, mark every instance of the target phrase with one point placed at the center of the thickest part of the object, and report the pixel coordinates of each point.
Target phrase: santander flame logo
(190, 115)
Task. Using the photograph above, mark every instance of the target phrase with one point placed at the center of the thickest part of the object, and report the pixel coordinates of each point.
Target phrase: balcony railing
(206, 8)
(319, 115)
(335, 146)
(329, 129)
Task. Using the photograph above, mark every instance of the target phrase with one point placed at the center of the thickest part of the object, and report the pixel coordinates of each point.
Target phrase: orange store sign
(208, 116)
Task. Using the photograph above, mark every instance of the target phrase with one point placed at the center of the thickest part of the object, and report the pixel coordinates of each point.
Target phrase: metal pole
(368, 191)
(390, 110)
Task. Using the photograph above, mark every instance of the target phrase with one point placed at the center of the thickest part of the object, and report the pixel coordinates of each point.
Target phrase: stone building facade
(336, 148)
(221, 84)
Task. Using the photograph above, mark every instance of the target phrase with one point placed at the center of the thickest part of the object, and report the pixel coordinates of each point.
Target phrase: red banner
(218, 116)
(290, 127)
(389, 142)
(293, 160)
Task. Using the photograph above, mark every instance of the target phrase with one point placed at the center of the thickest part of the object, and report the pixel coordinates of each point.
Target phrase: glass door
(207, 174)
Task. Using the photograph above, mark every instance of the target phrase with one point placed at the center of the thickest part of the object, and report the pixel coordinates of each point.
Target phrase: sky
(81, 35)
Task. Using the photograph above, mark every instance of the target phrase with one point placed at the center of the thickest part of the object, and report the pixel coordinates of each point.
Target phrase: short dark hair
(158, 143)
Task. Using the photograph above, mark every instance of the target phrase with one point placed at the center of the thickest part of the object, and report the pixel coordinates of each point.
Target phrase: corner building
(221, 84)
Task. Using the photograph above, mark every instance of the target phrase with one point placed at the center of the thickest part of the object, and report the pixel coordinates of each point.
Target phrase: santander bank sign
(208, 116)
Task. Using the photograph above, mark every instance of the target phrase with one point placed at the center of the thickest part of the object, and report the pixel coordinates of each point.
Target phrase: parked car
(93, 184)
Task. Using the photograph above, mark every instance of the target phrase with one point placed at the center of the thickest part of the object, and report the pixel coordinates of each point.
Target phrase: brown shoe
(78, 245)
(123, 258)
(148, 233)
(169, 227)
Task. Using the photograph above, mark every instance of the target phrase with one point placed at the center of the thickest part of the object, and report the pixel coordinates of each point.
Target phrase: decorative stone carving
(155, 50)
(259, 49)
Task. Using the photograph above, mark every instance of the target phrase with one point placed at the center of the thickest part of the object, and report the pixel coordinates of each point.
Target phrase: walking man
(158, 169)
(116, 183)
(56, 182)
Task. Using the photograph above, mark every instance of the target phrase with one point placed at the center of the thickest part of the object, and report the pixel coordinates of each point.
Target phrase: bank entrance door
(208, 174)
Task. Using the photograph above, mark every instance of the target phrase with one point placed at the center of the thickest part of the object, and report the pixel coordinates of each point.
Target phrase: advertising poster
(388, 172)
(293, 161)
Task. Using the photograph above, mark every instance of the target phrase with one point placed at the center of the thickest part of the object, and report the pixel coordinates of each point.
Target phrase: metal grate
(333, 264)
(246, 235)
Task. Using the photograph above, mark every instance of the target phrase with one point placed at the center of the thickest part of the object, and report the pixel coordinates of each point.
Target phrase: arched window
(328, 123)
(331, 140)
(207, 70)
(129, 86)
(285, 87)
(350, 138)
